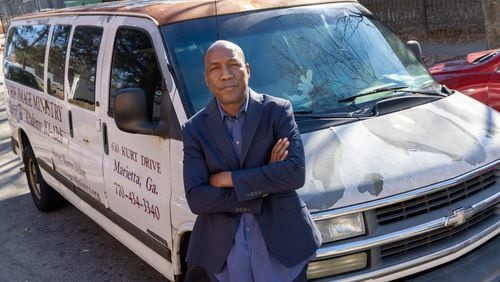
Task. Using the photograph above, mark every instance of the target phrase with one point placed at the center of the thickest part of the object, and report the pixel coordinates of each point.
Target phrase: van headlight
(342, 227)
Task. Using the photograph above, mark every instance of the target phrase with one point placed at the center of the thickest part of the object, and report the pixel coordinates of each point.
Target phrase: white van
(401, 173)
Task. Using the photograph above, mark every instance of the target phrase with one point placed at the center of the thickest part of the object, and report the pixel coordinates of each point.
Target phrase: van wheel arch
(24, 140)
(189, 272)
(183, 247)
(44, 197)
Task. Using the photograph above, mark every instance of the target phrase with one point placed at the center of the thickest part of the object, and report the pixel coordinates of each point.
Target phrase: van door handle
(105, 138)
(70, 118)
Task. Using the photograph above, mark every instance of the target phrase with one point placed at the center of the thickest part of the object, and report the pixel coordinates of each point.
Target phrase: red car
(477, 76)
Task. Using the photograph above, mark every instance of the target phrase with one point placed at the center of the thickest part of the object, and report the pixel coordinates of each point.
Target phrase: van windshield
(315, 56)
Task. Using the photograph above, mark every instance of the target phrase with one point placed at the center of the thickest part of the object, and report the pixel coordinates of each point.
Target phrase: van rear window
(25, 55)
(57, 60)
(83, 65)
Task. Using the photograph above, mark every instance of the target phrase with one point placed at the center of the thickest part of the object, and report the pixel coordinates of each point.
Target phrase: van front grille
(436, 200)
(427, 239)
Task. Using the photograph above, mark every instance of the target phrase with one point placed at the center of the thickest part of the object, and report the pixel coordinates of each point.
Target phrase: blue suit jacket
(284, 221)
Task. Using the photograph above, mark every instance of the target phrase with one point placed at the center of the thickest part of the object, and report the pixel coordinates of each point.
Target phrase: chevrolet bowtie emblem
(458, 218)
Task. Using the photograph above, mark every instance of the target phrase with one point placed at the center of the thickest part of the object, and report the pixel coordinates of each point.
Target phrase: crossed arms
(242, 190)
(278, 153)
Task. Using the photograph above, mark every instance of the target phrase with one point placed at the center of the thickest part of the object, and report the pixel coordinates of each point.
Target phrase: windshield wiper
(443, 92)
(362, 113)
(433, 92)
(377, 90)
(371, 111)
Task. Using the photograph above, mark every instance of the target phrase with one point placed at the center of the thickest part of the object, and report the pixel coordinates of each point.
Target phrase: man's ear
(247, 66)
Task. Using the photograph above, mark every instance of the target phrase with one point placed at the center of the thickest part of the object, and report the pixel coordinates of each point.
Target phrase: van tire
(45, 197)
(190, 273)
(196, 274)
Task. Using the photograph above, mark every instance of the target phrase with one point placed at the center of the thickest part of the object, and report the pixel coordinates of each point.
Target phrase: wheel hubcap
(34, 179)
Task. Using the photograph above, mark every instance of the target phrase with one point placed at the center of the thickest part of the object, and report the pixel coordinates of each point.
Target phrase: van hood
(398, 152)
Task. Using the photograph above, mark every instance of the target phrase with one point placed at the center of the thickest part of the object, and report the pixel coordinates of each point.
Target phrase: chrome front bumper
(434, 256)
(341, 249)
(428, 261)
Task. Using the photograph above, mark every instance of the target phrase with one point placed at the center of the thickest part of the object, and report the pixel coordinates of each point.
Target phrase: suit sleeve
(201, 197)
(276, 177)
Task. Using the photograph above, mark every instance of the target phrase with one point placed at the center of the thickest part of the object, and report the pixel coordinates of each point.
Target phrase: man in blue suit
(243, 161)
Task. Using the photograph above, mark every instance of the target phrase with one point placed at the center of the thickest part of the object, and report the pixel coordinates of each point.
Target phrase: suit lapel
(254, 112)
(213, 122)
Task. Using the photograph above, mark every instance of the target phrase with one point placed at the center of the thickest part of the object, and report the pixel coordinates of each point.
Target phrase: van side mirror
(414, 46)
(131, 114)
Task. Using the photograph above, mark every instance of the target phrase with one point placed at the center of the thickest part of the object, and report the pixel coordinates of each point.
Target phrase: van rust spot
(373, 183)
(325, 188)
(425, 131)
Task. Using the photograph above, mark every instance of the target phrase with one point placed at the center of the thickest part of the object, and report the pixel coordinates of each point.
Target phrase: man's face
(226, 74)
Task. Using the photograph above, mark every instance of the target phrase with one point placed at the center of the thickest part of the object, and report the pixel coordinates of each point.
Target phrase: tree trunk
(491, 9)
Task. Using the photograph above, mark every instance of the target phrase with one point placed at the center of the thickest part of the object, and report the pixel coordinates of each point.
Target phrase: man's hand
(280, 150)
(221, 180)
(278, 153)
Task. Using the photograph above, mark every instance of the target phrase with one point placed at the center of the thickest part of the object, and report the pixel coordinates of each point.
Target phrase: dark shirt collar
(242, 110)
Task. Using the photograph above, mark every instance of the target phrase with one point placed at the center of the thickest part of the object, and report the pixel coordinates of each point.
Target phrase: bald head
(226, 75)
(227, 45)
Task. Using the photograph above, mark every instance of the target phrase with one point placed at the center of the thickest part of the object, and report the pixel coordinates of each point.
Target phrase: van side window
(134, 65)
(83, 65)
(57, 60)
(25, 55)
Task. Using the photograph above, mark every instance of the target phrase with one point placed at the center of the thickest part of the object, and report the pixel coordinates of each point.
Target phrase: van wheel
(196, 274)
(45, 197)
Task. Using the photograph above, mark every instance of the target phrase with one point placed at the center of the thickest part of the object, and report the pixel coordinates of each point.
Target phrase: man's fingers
(282, 152)
(279, 145)
(283, 148)
(274, 151)
(279, 149)
(283, 157)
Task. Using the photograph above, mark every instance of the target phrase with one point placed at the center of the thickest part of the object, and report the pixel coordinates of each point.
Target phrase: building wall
(12, 8)
(430, 18)
(491, 10)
